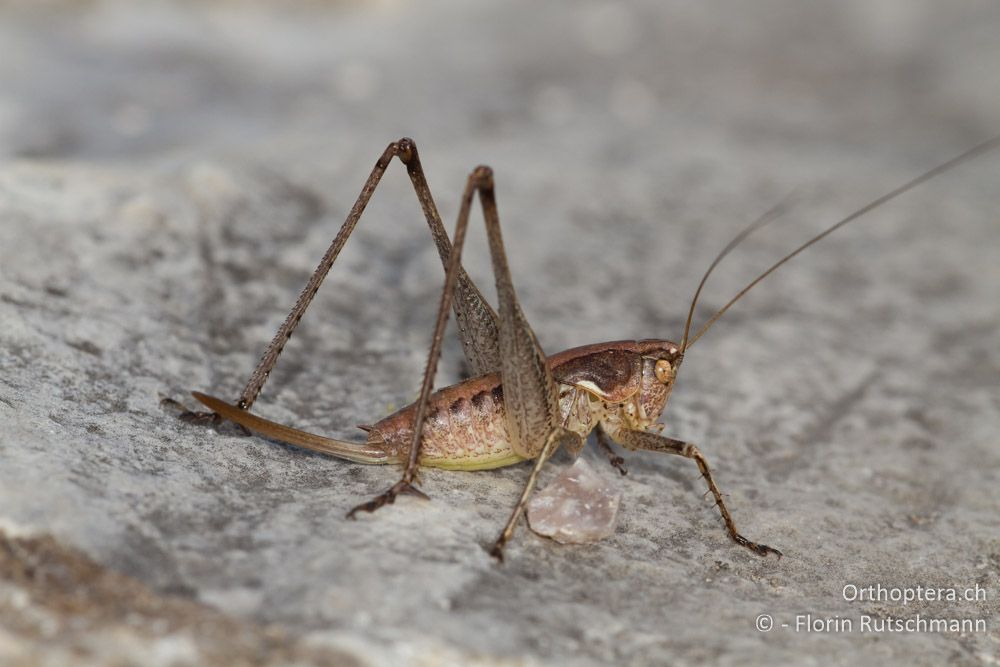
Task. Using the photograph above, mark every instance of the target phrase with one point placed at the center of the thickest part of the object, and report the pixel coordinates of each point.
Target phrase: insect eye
(664, 371)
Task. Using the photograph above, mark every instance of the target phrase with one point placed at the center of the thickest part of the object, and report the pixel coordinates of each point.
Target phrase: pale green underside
(498, 460)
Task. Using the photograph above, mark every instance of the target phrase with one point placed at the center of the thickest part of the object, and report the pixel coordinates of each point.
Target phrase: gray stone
(171, 173)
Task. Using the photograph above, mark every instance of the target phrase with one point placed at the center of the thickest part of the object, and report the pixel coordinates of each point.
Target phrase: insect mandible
(521, 405)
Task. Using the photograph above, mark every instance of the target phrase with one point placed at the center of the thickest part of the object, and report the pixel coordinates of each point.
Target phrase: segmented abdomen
(464, 428)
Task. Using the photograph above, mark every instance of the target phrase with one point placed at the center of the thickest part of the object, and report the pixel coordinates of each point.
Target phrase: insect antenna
(909, 185)
(771, 215)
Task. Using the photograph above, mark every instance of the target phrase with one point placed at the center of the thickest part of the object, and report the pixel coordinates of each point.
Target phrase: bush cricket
(521, 405)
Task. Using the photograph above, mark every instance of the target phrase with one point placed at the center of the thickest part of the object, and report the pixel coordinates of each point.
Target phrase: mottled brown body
(614, 384)
(523, 405)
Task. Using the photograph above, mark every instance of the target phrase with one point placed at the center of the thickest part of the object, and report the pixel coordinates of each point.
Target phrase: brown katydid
(521, 404)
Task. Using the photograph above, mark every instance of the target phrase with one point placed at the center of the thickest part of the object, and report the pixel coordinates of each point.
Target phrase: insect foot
(497, 549)
(618, 463)
(402, 487)
(182, 412)
(759, 549)
(199, 417)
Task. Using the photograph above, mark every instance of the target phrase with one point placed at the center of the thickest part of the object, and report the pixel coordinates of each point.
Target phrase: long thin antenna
(909, 185)
(771, 215)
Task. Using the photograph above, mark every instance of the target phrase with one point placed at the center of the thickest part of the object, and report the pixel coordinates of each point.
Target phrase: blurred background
(113, 80)
(170, 173)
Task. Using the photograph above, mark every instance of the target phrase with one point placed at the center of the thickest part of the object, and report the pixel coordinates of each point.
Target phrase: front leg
(555, 438)
(653, 442)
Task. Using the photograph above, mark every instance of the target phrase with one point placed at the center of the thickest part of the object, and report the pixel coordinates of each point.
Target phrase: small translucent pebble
(577, 507)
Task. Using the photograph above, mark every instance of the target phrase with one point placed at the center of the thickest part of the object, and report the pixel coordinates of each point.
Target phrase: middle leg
(531, 407)
(617, 462)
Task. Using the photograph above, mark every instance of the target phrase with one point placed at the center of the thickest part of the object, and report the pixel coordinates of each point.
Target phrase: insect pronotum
(521, 405)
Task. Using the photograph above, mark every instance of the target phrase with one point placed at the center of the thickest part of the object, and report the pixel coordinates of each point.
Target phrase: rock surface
(172, 173)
